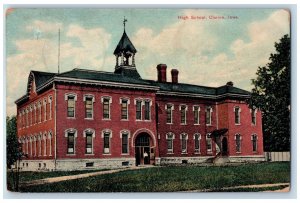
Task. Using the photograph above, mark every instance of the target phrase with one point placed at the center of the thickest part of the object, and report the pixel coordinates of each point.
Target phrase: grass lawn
(174, 178)
(29, 176)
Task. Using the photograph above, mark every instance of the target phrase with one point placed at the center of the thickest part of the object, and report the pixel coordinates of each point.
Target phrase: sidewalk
(286, 189)
(84, 175)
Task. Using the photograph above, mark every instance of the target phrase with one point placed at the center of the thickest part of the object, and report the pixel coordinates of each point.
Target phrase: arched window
(71, 99)
(106, 135)
(183, 110)
(208, 143)
(170, 137)
(183, 138)
(237, 115)
(71, 135)
(89, 134)
(169, 110)
(50, 142)
(197, 138)
(238, 143)
(124, 134)
(254, 142)
(208, 118)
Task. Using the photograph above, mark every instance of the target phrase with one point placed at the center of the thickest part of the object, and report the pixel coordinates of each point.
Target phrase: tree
(271, 94)
(12, 145)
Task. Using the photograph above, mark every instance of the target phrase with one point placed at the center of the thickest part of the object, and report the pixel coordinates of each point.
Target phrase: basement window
(125, 163)
(89, 164)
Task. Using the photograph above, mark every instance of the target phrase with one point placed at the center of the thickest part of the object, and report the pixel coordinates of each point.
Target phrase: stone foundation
(37, 165)
(242, 159)
(93, 164)
(183, 160)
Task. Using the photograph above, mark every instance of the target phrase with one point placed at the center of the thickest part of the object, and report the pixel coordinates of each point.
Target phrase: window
(208, 143)
(238, 140)
(40, 145)
(147, 110)
(197, 138)
(183, 138)
(20, 119)
(124, 109)
(35, 143)
(31, 141)
(170, 138)
(71, 99)
(23, 119)
(106, 135)
(253, 116)
(124, 142)
(45, 109)
(169, 108)
(27, 122)
(254, 143)
(50, 143)
(106, 107)
(88, 106)
(196, 110)
(208, 112)
(50, 107)
(88, 142)
(183, 109)
(40, 111)
(45, 144)
(71, 143)
(35, 107)
(237, 118)
(138, 112)
(31, 116)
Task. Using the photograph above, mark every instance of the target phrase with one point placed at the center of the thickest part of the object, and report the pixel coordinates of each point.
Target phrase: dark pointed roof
(125, 45)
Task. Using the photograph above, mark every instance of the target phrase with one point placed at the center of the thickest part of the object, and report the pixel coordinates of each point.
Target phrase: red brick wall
(97, 123)
(35, 128)
(245, 129)
(189, 128)
(225, 112)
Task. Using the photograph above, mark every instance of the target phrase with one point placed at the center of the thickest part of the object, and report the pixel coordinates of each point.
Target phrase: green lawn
(174, 178)
(28, 175)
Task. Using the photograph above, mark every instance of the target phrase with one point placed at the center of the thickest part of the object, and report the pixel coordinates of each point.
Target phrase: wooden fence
(277, 156)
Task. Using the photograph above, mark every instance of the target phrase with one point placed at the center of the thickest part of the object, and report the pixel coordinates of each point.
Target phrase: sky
(206, 49)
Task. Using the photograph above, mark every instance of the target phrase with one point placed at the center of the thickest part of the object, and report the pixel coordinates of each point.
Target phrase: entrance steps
(220, 160)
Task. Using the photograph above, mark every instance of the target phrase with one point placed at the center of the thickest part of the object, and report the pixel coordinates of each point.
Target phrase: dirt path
(72, 177)
(286, 189)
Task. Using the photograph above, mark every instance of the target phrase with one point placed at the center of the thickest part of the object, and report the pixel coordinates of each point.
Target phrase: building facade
(85, 119)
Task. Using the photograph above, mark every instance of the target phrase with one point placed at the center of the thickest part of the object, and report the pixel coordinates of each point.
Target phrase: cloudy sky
(205, 51)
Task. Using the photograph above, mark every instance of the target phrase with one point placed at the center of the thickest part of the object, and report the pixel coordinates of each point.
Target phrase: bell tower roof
(125, 54)
(124, 45)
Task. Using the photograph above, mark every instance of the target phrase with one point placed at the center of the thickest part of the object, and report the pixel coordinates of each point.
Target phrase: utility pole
(58, 56)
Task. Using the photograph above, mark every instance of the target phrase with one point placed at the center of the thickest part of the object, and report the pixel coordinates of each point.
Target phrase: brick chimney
(174, 73)
(230, 83)
(161, 72)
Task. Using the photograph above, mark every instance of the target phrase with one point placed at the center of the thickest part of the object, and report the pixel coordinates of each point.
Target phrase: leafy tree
(271, 94)
(12, 145)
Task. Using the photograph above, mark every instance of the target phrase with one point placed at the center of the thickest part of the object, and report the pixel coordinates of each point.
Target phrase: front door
(142, 149)
(224, 146)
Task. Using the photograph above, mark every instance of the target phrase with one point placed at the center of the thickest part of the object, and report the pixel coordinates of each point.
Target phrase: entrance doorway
(224, 146)
(143, 149)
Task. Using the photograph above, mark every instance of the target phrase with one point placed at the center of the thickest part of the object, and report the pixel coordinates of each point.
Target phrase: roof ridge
(35, 71)
(183, 84)
(89, 70)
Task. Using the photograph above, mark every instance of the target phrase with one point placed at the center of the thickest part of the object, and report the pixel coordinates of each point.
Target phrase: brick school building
(86, 119)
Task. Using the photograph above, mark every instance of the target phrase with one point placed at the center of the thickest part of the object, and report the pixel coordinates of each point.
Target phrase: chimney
(174, 73)
(230, 83)
(161, 72)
